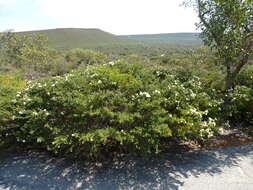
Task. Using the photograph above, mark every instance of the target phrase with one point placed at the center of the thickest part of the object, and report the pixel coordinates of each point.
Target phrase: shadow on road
(41, 172)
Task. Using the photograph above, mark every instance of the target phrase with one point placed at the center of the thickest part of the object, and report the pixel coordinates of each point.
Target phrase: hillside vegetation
(185, 39)
(96, 39)
(69, 38)
(130, 97)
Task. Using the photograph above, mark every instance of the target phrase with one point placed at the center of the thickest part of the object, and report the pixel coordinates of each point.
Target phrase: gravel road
(228, 168)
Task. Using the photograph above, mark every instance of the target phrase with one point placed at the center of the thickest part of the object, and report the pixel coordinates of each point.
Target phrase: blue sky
(115, 16)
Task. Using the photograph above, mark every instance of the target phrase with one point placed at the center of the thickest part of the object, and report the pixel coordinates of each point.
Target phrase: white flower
(93, 75)
(35, 113)
(145, 94)
(157, 92)
(205, 112)
(111, 63)
(209, 135)
(158, 73)
(46, 112)
(193, 95)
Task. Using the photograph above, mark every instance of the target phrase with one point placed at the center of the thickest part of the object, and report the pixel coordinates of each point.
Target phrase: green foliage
(9, 86)
(156, 94)
(245, 77)
(71, 38)
(85, 57)
(232, 31)
(29, 53)
(211, 78)
(186, 39)
(227, 27)
(241, 108)
(116, 105)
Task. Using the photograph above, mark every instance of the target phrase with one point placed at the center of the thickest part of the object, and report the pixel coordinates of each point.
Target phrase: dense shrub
(210, 80)
(241, 108)
(245, 77)
(9, 86)
(125, 106)
(84, 57)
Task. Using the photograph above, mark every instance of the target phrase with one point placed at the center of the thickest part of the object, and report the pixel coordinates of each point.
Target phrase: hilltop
(68, 38)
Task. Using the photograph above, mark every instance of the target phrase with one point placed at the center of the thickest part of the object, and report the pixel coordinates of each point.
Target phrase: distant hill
(69, 38)
(170, 38)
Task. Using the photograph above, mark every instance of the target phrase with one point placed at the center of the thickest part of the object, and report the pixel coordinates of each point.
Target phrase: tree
(10, 49)
(35, 51)
(27, 52)
(227, 27)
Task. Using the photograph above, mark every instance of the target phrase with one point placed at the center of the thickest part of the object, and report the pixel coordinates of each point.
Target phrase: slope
(68, 38)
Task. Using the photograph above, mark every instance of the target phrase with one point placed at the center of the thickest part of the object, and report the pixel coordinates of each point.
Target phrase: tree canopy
(227, 27)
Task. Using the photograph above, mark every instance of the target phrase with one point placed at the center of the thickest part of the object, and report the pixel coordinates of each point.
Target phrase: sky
(115, 16)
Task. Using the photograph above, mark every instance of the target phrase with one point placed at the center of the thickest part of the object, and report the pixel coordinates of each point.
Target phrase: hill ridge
(93, 38)
(69, 38)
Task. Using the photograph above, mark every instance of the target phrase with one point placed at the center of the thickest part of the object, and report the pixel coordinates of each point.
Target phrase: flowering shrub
(115, 105)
